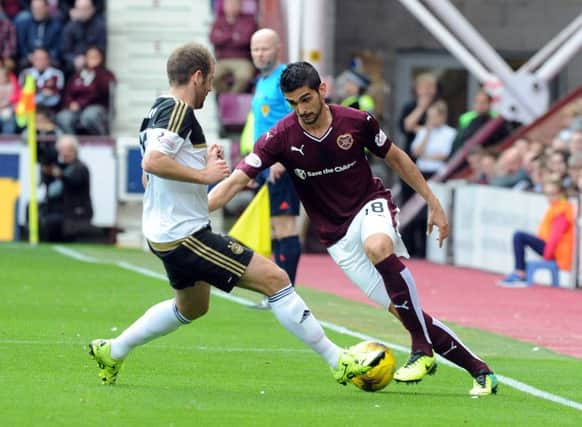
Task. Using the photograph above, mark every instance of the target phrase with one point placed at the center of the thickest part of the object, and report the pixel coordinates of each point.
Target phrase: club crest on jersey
(380, 138)
(345, 141)
(253, 160)
(236, 248)
(300, 173)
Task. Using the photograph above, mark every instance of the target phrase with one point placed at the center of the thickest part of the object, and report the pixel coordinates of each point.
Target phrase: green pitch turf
(235, 366)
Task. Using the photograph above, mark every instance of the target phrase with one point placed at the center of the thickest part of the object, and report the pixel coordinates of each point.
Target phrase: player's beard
(312, 116)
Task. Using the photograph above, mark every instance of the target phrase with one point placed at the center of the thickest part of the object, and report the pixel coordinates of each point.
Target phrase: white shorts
(349, 252)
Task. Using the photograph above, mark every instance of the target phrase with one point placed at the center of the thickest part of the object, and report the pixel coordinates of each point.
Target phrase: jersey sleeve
(375, 139)
(169, 127)
(265, 153)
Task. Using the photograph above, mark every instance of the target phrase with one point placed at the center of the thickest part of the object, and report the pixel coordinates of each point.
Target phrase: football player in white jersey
(178, 167)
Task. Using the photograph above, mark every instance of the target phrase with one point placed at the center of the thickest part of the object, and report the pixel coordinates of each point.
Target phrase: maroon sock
(402, 292)
(446, 343)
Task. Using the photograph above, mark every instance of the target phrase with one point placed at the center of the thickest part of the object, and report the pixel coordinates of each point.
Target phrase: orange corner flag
(26, 105)
(253, 228)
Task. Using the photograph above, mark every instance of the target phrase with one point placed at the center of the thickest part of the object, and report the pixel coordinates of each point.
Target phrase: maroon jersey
(331, 173)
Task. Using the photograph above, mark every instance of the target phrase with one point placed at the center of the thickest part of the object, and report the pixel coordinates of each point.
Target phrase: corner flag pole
(33, 204)
(26, 115)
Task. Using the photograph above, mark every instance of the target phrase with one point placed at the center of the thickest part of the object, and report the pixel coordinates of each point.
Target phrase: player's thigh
(379, 231)
(349, 255)
(194, 301)
(264, 276)
(206, 257)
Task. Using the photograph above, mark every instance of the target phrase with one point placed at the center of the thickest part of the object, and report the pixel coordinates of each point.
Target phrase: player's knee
(193, 311)
(378, 247)
(280, 277)
(275, 279)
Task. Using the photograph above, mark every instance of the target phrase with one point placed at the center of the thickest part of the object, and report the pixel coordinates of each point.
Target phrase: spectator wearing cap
(354, 89)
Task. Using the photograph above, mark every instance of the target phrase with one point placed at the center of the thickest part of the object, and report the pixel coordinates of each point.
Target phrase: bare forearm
(166, 167)
(222, 193)
(400, 163)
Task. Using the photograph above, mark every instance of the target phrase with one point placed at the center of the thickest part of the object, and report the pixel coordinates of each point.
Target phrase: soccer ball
(380, 375)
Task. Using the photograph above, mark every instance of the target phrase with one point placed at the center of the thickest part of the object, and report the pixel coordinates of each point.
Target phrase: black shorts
(204, 256)
(282, 197)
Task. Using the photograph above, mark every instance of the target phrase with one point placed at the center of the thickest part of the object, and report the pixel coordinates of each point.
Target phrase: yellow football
(380, 375)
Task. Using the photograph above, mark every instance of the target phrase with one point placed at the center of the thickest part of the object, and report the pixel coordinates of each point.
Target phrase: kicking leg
(291, 311)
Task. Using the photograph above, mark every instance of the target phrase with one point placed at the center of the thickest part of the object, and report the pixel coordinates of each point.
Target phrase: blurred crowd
(530, 162)
(62, 45)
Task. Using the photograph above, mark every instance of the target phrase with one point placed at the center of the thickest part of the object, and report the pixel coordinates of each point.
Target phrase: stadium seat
(234, 108)
(533, 266)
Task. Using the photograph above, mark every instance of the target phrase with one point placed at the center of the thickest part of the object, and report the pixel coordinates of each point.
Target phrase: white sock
(159, 320)
(292, 312)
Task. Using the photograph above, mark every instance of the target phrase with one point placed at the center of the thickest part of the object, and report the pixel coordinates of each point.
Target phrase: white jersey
(173, 210)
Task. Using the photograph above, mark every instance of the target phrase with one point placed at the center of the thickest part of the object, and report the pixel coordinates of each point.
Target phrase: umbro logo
(300, 149)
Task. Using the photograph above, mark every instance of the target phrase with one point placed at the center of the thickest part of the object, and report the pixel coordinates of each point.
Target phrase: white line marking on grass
(71, 253)
(170, 347)
(518, 385)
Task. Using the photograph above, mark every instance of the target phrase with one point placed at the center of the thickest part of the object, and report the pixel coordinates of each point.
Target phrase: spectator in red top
(12, 7)
(9, 95)
(50, 81)
(231, 36)
(86, 100)
(7, 39)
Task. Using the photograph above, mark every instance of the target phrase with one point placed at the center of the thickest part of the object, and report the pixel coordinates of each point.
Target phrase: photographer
(66, 212)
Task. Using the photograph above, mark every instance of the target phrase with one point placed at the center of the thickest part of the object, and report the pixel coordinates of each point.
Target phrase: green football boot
(100, 350)
(416, 368)
(351, 364)
(484, 385)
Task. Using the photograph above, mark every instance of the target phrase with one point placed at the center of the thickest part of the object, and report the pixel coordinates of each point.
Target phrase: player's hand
(438, 218)
(216, 170)
(275, 172)
(216, 151)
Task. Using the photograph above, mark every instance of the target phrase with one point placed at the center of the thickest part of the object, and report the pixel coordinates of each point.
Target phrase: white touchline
(518, 385)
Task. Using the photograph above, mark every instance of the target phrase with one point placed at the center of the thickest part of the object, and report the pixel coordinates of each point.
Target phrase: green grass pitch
(235, 366)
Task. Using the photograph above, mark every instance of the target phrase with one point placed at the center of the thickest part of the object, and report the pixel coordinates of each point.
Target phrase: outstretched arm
(164, 166)
(400, 163)
(226, 190)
